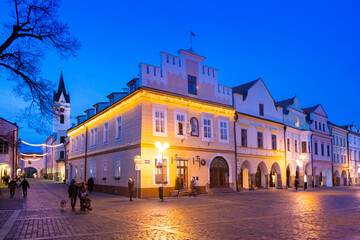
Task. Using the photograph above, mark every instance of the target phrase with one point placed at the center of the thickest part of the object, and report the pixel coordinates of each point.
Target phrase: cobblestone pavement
(332, 213)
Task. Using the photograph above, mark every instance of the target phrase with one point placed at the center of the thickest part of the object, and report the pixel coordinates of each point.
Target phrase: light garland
(34, 155)
(42, 144)
(31, 159)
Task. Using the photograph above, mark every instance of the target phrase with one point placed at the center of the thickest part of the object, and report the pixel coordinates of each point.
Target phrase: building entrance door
(182, 173)
(258, 178)
(219, 173)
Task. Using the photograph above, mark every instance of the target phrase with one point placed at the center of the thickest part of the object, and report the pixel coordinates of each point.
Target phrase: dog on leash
(63, 205)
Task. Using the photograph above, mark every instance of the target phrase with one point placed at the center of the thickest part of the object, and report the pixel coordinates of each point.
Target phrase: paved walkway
(273, 214)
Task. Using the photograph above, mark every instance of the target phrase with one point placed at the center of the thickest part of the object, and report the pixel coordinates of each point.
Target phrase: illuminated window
(92, 169)
(159, 122)
(160, 172)
(260, 140)
(273, 142)
(194, 127)
(244, 137)
(191, 84)
(117, 168)
(297, 124)
(82, 141)
(180, 124)
(303, 147)
(223, 130)
(104, 168)
(77, 144)
(288, 144)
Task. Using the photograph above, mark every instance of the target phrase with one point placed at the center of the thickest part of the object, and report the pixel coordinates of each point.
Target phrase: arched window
(194, 127)
(297, 124)
(62, 119)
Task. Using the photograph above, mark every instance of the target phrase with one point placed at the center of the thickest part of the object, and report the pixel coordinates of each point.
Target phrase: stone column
(301, 180)
(252, 181)
(266, 181)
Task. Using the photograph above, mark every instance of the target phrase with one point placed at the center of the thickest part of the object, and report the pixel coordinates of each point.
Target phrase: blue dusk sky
(307, 48)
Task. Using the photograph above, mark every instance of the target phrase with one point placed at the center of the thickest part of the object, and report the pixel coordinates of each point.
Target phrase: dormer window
(297, 124)
(192, 85)
(261, 109)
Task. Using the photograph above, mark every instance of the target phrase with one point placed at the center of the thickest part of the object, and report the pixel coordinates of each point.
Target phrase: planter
(174, 193)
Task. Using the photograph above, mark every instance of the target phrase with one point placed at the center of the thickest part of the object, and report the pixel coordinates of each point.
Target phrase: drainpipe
(85, 157)
(332, 155)
(236, 175)
(285, 156)
(347, 155)
(312, 162)
(65, 162)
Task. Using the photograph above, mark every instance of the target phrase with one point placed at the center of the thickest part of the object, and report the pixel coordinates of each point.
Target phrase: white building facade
(353, 138)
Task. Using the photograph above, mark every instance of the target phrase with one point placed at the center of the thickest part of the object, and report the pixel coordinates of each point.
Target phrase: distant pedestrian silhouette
(90, 184)
(12, 186)
(25, 185)
(73, 192)
(131, 183)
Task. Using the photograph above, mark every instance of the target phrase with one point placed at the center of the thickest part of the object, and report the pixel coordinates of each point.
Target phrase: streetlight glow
(161, 148)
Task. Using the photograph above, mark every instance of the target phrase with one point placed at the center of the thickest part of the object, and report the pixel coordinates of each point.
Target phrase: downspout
(236, 175)
(312, 162)
(85, 156)
(332, 155)
(65, 162)
(347, 155)
(285, 155)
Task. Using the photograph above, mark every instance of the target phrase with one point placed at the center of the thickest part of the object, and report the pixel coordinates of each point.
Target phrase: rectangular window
(207, 128)
(296, 146)
(104, 169)
(82, 141)
(244, 137)
(4, 147)
(118, 127)
(158, 171)
(273, 142)
(81, 171)
(75, 172)
(62, 139)
(106, 132)
(303, 147)
(319, 126)
(62, 155)
(77, 144)
(337, 140)
(322, 150)
(180, 124)
(323, 127)
(62, 119)
(288, 144)
(344, 159)
(159, 122)
(316, 125)
(328, 150)
(261, 109)
(316, 148)
(191, 84)
(72, 145)
(117, 168)
(223, 130)
(95, 137)
(338, 157)
(92, 169)
(91, 137)
(341, 158)
(260, 140)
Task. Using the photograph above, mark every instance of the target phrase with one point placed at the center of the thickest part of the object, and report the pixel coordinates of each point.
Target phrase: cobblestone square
(321, 213)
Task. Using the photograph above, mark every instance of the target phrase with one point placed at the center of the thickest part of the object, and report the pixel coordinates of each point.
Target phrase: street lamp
(161, 148)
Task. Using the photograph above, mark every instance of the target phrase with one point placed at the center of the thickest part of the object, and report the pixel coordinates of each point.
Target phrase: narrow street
(273, 214)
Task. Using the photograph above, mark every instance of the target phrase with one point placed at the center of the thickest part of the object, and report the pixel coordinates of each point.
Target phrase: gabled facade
(259, 137)
(179, 103)
(340, 155)
(9, 162)
(321, 146)
(353, 139)
(297, 142)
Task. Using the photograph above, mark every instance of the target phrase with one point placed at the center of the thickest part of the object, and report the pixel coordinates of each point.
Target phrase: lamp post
(161, 148)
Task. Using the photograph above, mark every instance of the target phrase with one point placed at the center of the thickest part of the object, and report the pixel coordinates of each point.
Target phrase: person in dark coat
(73, 192)
(12, 186)
(82, 190)
(131, 186)
(90, 184)
(296, 183)
(25, 185)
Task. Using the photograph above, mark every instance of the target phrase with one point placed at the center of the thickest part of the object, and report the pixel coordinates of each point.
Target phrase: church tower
(61, 121)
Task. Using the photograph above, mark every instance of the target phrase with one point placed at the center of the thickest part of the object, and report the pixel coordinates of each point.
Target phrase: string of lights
(34, 155)
(42, 144)
(30, 159)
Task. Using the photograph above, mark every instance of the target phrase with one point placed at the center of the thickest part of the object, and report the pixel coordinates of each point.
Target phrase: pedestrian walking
(12, 186)
(296, 184)
(193, 186)
(305, 182)
(25, 185)
(131, 186)
(90, 184)
(73, 192)
(82, 193)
